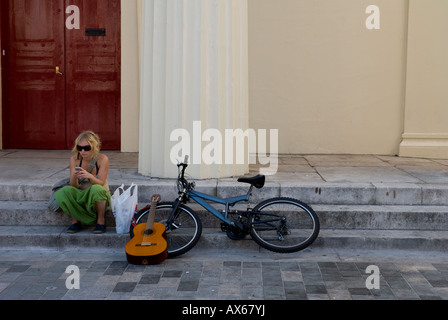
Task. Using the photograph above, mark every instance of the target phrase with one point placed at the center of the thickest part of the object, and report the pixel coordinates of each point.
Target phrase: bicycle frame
(201, 198)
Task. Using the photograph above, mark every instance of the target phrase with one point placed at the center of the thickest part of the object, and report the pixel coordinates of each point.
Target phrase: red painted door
(57, 81)
(93, 59)
(34, 95)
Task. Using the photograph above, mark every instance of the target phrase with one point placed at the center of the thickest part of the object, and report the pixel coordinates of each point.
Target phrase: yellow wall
(327, 82)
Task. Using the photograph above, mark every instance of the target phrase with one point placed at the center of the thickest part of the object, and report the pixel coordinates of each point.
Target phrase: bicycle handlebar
(184, 166)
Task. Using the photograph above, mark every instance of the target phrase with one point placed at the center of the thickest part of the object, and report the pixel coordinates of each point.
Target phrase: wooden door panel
(93, 72)
(34, 114)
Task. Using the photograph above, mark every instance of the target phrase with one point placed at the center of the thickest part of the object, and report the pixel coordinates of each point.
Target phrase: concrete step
(315, 193)
(53, 237)
(369, 217)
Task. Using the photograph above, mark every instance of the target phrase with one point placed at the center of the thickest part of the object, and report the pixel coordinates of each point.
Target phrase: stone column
(194, 78)
(426, 114)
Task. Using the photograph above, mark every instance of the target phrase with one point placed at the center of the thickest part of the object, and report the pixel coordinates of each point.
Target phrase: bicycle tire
(299, 230)
(181, 238)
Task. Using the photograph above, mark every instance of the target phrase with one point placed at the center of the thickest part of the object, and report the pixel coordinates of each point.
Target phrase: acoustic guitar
(148, 246)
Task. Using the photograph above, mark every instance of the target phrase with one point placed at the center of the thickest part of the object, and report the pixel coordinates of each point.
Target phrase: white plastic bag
(124, 205)
(115, 196)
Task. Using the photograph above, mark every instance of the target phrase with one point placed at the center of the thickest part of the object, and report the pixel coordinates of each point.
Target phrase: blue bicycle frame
(201, 199)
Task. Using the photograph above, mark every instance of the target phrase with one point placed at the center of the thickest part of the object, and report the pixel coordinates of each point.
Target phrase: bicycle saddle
(257, 182)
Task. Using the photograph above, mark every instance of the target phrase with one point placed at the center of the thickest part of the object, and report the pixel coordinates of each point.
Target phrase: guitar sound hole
(149, 232)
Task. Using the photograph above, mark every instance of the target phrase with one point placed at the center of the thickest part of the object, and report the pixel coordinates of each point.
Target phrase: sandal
(74, 228)
(99, 229)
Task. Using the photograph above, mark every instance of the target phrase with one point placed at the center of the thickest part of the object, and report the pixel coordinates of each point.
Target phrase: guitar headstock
(156, 199)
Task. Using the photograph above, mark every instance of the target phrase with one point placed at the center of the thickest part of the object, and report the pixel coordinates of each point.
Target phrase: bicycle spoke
(295, 228)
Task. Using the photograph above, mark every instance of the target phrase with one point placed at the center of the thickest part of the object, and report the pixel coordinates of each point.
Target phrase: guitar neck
(151, 219)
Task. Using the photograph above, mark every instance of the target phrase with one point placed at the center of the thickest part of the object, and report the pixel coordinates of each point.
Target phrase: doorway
(59, 81)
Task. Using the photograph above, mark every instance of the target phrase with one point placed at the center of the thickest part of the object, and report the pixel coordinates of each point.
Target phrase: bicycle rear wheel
(284, 225)
(183, 233)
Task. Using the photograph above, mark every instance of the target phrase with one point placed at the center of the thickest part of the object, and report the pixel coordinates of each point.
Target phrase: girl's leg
(101, 211)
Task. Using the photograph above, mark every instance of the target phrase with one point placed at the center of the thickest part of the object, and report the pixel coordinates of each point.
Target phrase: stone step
(54, 237)
(316, 193)
(368, 217)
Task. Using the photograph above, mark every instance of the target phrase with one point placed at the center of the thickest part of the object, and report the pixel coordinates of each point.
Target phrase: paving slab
(345, 161)
(381, 174)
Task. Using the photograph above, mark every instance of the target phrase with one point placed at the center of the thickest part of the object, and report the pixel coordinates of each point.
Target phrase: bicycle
(282, 225)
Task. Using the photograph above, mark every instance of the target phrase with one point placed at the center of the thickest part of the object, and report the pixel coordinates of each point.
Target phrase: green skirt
(80, 204)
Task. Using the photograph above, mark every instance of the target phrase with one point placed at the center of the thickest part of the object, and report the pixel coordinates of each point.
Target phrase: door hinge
(4, 52)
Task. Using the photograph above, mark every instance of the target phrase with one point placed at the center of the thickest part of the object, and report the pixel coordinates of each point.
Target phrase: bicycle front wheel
(284, 225)
(183, 231)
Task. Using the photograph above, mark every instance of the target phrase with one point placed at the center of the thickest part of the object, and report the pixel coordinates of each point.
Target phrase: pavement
(327, 271)
(250, 278)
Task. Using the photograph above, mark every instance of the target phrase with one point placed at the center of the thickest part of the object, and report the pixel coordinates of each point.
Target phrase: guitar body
(146, 249)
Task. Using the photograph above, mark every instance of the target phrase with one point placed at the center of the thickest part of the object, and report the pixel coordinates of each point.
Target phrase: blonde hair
(93, 139)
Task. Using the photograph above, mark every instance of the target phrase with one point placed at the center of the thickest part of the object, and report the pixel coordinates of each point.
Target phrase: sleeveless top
(93, 164)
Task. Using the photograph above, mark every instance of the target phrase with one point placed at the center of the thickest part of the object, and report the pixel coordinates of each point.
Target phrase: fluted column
(194, 80)
(426, 110)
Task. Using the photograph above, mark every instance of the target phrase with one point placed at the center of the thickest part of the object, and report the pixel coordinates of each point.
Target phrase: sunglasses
(86, 148)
